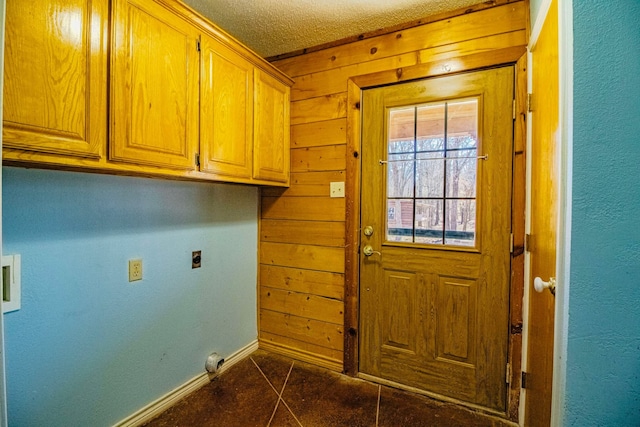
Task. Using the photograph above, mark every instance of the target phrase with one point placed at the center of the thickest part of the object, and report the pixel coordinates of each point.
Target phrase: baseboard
(160, 405)
(303, 356)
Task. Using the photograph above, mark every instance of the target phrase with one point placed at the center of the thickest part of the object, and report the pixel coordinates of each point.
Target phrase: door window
(432, 162)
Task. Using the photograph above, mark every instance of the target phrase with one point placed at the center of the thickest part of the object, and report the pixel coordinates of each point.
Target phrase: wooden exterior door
(435, 243)
(542, 247)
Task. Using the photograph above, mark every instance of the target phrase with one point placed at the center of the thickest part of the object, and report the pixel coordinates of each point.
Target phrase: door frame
(515, 56)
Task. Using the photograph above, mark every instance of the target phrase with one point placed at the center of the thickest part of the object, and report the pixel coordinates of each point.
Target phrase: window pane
(402, 130)
(430, 129)
(462, 124)
(456, 142)
(432, 173)
(460, 222)
(400, 220)
(429, 174)
(461, 174)
(429, 221)
(401, 146)
(431, 144)
(400, 176)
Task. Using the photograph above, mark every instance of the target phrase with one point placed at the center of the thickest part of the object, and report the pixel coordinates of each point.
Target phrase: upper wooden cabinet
(244, 118)
(154, 86)
(55, 79)
(226, 111)
(271, 110)
(140, 87)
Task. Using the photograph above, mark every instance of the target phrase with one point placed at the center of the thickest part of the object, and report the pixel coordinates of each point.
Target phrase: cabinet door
(271, 126)
(55, 82)
(154, 86)
(226, 121)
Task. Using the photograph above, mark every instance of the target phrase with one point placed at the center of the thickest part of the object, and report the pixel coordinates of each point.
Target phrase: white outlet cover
(337, 189)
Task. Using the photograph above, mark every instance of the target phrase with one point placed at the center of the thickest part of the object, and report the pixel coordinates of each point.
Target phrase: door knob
(368, 251)
(540, 285)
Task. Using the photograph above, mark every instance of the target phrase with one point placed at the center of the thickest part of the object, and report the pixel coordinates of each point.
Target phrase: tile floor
(269, 390)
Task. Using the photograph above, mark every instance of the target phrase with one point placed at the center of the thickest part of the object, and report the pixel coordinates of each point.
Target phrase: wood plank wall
(303, 232)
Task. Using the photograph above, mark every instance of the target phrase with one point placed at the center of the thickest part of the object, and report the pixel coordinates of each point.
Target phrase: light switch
(337, 189)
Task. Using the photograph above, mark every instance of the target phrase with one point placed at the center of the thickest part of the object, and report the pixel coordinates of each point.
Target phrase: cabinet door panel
(154, 104)
(226, 127)
(55, 76)
(271, 111)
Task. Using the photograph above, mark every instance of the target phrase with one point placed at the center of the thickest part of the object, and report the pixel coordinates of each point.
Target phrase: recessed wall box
(11, 292)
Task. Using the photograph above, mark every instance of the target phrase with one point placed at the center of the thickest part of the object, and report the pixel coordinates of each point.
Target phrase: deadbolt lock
(368, 230)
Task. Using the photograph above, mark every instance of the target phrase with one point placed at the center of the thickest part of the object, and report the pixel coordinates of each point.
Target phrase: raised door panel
(401, 323)
(55, 80)
(271, 159)
(455, 324)
(226, 107)
(154, 98)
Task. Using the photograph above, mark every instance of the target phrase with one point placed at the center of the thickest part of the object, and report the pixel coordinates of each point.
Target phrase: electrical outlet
(135, 270)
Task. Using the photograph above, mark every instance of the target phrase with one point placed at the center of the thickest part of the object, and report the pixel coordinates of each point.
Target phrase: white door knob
(540, 285)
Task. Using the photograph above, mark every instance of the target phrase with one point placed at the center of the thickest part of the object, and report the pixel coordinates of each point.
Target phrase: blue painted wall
(603, 363)
(88, 348)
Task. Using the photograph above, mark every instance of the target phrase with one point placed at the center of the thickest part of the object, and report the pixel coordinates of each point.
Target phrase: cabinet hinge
(198, 45)
(514, 109)
(197, 159)
(508, 377)
(527, 242)
(511, 243)
(523, 383)
(529, 102)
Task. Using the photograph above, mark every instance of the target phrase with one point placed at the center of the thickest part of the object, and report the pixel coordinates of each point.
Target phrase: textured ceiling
(272, 27)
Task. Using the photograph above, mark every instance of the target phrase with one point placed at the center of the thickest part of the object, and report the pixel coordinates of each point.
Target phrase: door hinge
(529, 102)
(514, 109)
(508, 377)
(511, 243)
(197, 159)
(198, 45)
(527, 242)
(523, 383)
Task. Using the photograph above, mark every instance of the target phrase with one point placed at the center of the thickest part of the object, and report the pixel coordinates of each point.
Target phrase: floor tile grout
(273, 414)
(378, 406)
(291, 412)
(265, 377)
(276, 391)
(275, 409)
(284, 402)
(272, 386)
